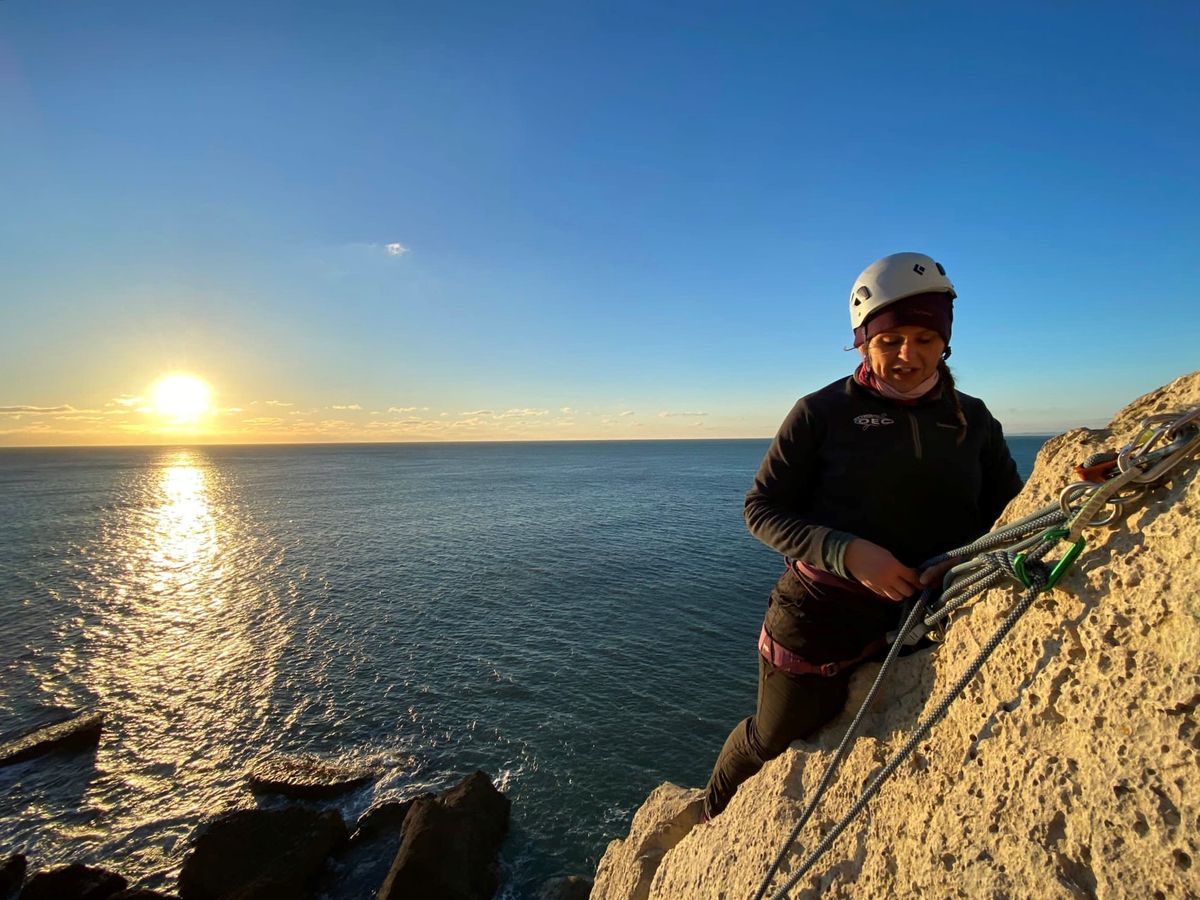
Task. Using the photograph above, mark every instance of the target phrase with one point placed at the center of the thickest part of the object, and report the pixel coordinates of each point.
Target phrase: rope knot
(1031, 572)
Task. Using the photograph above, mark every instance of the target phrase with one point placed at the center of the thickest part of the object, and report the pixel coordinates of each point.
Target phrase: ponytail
(948, 387)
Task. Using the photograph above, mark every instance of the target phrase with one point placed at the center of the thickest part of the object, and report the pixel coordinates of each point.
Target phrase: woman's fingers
(876, 568)
(934, 574)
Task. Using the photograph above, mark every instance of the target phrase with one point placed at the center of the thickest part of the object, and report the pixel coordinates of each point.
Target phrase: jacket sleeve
(784, 482)
(1001, 482)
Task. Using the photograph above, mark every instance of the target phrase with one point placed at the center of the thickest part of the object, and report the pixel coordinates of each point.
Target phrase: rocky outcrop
(450, 845)
(259, 854)
(383, 818)
(1070, 767)
(12, 874)
(73, 882)
(569, 887)
(666, 817)
(304, 777)
(76, 733)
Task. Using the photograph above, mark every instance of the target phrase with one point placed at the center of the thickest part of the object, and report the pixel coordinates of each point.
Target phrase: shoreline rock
(260, 853)
(12, 874)
(451, 844)
(306, 778)
(73, 882)
(79, 732)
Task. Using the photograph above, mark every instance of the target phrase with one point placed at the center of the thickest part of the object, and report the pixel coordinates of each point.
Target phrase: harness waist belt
(820, 576)
(782, 658)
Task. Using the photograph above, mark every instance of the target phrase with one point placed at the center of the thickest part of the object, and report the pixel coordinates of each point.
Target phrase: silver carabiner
(1075, 491)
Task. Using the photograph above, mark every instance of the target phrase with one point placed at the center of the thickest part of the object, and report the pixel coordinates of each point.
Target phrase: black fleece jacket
(848, 462)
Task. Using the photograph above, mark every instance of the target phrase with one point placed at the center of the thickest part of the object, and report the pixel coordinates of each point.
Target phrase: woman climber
(866, 478)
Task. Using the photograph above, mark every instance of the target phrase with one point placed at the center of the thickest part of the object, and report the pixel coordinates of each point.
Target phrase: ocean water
(575, 619)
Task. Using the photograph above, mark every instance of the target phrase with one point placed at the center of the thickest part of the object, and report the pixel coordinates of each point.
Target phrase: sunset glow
(182, 399)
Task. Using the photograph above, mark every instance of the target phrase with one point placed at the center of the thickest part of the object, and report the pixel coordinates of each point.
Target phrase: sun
(182, 399)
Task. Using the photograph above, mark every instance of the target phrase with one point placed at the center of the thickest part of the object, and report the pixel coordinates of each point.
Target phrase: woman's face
(904, 356)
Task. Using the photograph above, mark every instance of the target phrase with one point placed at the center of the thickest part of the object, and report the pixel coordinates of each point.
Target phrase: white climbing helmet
(893, 278)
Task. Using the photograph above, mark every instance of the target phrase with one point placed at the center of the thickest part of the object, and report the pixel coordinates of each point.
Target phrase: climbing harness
(781, 657)
(1014, 554)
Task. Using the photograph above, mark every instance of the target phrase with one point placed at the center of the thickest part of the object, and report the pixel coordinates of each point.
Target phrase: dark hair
(948, 387)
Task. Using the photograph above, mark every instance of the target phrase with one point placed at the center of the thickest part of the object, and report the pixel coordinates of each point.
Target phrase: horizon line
(629, 440)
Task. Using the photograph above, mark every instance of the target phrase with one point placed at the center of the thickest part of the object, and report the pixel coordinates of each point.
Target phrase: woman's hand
(934, 575)
(876, 568)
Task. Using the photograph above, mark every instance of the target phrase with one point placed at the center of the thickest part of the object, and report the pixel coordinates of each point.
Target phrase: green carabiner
(1060, 567)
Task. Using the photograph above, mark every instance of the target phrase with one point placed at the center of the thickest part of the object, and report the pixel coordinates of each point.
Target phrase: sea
(577, 620)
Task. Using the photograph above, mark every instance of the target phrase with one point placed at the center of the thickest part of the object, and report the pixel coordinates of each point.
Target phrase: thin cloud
(407, 409)
(277, 403)
(522, 413)
(395, 249)
(628, 412)
(566, 411)
(477, 413)
(353, 407)
(674, 415)
(126, 400)
(35, 410)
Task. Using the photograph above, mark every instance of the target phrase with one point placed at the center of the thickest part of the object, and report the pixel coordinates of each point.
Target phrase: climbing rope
(1015, 554)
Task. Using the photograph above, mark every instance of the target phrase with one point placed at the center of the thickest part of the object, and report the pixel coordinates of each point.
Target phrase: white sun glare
(182, 399)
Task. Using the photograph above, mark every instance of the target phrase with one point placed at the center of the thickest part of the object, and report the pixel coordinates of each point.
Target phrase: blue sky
(617, 219)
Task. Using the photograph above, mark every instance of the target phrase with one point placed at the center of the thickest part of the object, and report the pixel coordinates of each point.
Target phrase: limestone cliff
(1069, 768)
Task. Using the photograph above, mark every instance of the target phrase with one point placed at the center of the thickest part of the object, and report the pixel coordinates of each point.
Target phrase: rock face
(569, 887)
(304, 777)
(73, 882)
(12, 874)
(383, 818)
(450, 845)
(76, 733)
(1070, 767)
(662, 822)
(260, 854)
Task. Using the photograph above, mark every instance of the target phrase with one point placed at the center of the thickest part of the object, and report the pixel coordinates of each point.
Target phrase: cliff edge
(1070, 766)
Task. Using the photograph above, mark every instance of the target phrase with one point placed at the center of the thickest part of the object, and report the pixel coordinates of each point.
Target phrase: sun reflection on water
(184, 537)
(184, 653)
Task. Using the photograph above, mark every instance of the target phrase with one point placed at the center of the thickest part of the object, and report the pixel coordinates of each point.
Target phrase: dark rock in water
(450, 845)
(76, 733)
(12, 874)
(141, 894)
(368, 855)
(305, 777)
(73, 882)
(383, 818)
(572, 887)
(258, 854)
